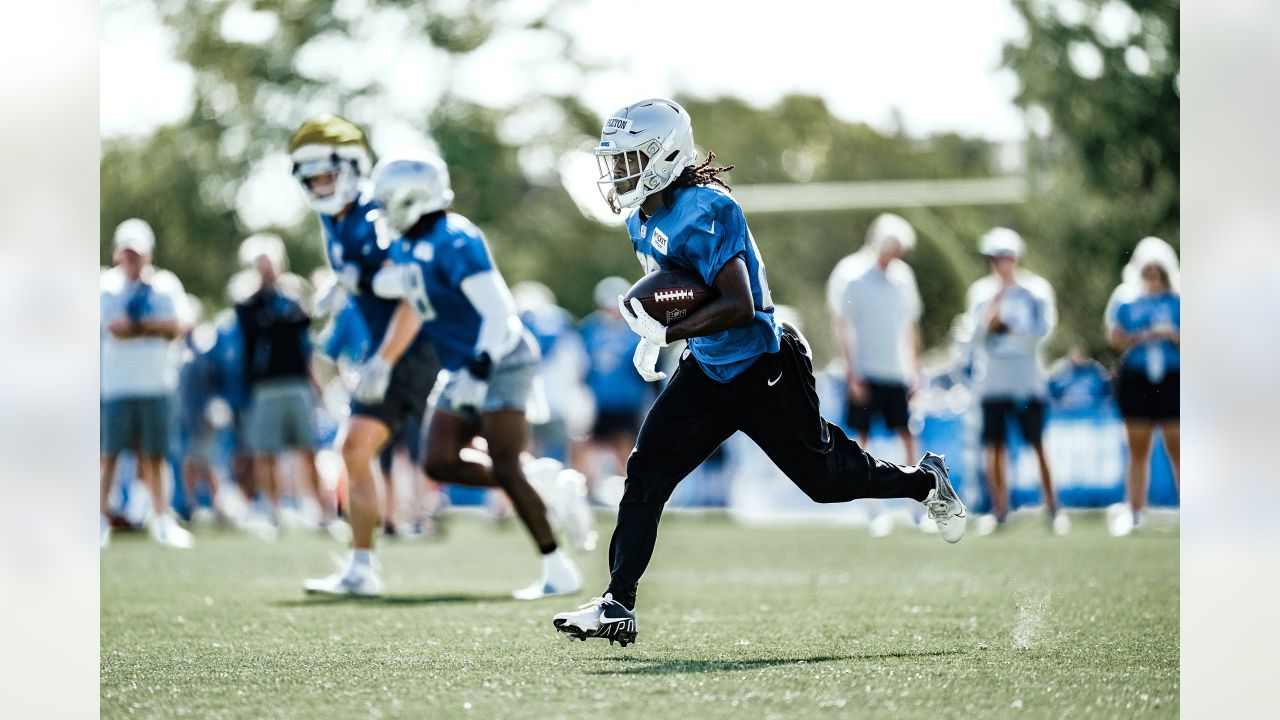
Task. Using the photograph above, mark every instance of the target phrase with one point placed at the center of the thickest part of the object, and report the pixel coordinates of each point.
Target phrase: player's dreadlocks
(701, 174)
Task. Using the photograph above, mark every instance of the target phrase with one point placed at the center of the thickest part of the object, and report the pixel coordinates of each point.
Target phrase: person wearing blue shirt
(331, 161)
(347, 337)
(621, 395)
(451, 290)
(561, 401)
(1144, 321)
(742, 371)
(1078, 383)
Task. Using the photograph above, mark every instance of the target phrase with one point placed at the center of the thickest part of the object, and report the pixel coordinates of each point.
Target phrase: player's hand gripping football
(642, 323)
(646, 361)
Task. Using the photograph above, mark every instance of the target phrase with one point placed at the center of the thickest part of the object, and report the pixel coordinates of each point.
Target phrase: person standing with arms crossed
(1010, 313)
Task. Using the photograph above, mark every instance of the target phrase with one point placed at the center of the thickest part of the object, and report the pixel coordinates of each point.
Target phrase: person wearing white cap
(875, 307)
(280, 417)
(1010, 313)
(143, 310)
(1143, 320)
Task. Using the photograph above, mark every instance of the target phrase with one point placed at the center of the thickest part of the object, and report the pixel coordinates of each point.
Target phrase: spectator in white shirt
(143, 310)
(875, 308)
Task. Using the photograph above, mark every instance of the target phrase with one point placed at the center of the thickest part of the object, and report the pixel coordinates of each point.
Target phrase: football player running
(331, 160)
(452, 290)
(742, 370)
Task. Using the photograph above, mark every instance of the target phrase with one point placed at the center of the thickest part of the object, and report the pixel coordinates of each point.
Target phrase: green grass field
(734, 623)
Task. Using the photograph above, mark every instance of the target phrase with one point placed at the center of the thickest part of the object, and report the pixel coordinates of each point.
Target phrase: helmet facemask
(626, 177)
(310, 166)
(324, 145)
(642, 149)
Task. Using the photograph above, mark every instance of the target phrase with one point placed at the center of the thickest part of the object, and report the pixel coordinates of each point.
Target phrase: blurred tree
(799, 140)
(1099, 84)
(261, 67)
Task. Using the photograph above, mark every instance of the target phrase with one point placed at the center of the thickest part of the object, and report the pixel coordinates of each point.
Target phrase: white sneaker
(943, 503)
(559, 577)
(260, 524)
(338, 529)
(1121, 524)
(881, 525)
(1061, 524)
(987, 524)
(355, 580)
(166, 531)
(104, 532)
(580, 522)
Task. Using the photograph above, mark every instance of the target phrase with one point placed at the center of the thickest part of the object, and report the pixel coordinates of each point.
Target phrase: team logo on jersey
(616, 124)
(643, 231)
(659, 241)
(424, 251)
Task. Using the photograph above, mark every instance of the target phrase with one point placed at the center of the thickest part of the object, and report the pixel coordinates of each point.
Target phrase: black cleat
(603, 617)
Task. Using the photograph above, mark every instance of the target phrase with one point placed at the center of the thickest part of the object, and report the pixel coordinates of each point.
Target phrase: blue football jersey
(451, 252)
(228, 360)
(548, 325)
(351, 246)
(612, 379)
(701, 232)
(347, 336)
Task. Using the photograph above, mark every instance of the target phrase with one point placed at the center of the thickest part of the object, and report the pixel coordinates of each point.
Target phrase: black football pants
(774, 402)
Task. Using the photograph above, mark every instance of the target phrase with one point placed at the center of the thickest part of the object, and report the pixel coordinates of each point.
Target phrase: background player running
(741, 372)
(331, 160)
(445, 274)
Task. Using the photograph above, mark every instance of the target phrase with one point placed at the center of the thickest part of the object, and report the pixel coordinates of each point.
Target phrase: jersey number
(416, 293)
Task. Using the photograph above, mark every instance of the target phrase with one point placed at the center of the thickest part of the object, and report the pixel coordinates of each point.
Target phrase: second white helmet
(657, 128)
(408, 186)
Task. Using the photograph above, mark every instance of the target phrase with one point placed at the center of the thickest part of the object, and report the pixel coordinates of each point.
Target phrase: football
(670, 295)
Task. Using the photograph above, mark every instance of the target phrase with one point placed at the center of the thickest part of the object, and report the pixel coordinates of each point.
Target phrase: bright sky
(933, 61)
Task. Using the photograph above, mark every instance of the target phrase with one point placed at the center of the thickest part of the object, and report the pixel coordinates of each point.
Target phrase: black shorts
(888, 400)
(1141, 399)
(1029, 415)
(613, 423)
(412, 379)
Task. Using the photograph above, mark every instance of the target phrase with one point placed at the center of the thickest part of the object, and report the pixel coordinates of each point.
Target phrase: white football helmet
(409, 186)
(329, 144)
(643, 148)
